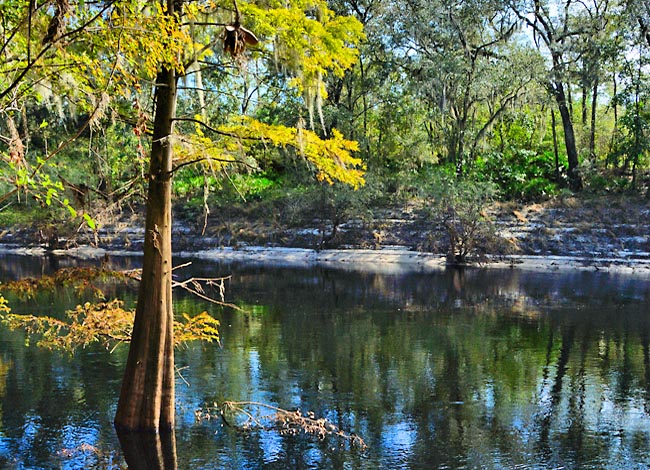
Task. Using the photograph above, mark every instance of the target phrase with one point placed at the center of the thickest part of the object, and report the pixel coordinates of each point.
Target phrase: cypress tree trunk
(147, 397)
(149, 451)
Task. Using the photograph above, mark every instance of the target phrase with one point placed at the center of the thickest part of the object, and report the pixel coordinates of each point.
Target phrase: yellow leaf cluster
(4, 305)
(79, 278)
(331, 158)
(106, 323)
(307, 37)
(201, 327)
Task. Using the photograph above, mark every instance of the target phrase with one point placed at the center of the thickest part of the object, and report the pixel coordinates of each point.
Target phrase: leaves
(201, 327)
(106, 323)
(331, 158)
(80, 279)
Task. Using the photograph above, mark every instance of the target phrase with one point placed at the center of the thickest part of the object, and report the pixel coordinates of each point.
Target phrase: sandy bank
(386, 260)
(403, 260)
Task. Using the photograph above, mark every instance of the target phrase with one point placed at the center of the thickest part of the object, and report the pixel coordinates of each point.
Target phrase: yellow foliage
(201, 327)
(4, 305)
(107, 323)
(332, 158)
(81, 279)
(307, 36)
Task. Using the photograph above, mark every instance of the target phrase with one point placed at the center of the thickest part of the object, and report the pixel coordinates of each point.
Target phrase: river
(453, 369)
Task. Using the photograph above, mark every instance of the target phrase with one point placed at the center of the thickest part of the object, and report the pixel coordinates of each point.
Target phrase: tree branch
(217, 131)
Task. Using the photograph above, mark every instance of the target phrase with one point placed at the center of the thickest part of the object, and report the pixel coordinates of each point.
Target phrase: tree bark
(147, 397)
(555, 149)
(575, 181)
(583, 103)
(592, 131)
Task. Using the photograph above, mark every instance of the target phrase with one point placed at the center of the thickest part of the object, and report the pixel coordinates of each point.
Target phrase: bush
(522, 174)
(458, 207)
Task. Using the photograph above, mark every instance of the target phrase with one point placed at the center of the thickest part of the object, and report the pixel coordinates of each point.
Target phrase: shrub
(458, 207)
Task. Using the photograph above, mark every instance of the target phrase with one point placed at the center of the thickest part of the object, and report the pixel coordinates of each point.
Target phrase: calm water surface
(473, 369)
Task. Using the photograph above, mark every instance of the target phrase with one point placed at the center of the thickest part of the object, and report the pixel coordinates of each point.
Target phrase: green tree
(554, 26)
(633, 142)
(92, 55)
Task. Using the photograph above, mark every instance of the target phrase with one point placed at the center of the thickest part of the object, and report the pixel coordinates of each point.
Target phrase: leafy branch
(107, 323)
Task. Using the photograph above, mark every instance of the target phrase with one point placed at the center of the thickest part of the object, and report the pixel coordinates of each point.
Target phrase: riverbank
(607, 234)
(386, 260)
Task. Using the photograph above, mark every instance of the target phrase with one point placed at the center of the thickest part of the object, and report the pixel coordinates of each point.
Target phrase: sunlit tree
(104, 59)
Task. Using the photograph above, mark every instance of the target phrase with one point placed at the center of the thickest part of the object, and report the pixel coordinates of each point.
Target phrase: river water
(456, 369)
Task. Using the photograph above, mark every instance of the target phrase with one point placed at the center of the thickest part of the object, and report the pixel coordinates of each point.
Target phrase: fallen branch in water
(248, 415)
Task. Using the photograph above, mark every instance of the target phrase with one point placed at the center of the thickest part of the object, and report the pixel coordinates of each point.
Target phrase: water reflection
(148, 451)
(470, 369)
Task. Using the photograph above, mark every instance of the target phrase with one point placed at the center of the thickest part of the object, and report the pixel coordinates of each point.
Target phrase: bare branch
(246, 415)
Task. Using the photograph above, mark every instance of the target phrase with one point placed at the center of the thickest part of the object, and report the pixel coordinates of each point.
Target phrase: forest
(515, 100)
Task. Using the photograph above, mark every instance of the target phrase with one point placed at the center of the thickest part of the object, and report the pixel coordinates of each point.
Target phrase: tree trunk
(555, 149)
(575, 181)
(592, 131)
(149, 451)
(583, 104)
(364, 100)
(645, 30)
(147, 397)
(612, 139)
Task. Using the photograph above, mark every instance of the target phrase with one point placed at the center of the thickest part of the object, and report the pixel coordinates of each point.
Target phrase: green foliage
(632, 145)
(21, 215)
(459, 207)
(468, 89)
(328, 207)
(522, 174)
(252, 185)
(92, 107)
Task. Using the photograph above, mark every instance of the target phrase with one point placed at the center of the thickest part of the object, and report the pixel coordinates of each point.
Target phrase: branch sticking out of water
(248, 415)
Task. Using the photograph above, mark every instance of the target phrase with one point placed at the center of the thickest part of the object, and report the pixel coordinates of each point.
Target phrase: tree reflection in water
(149, 451)
(473, 369)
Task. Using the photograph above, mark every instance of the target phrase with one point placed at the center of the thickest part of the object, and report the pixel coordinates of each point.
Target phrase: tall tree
(147, 399)
(556, 26)
(459, 58)
(106, 66)
(640, 11)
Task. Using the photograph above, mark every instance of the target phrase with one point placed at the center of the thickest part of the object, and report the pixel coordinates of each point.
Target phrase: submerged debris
(248, 415)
